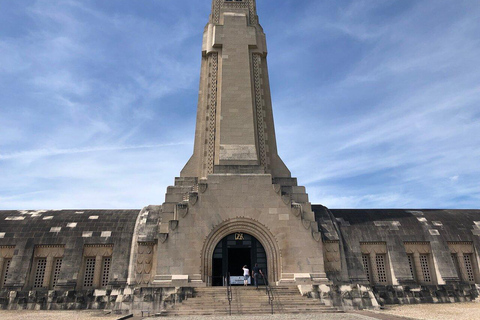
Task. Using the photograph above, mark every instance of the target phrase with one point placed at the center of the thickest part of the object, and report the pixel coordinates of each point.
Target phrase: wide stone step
(248, 301)
(185, 181)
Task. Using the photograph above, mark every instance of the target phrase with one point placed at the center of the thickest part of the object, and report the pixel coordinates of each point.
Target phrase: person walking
(246, 274)
(256, 272)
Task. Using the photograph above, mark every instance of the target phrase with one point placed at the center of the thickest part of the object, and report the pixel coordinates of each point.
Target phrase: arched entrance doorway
(247, 226)
(233, 252)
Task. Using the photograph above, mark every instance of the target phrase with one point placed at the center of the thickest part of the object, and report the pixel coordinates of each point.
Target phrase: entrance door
(237, 258)
(232, 253)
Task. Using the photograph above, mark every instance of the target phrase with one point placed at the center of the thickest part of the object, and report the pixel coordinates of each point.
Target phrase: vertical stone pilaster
(48, 272)
(373, 267)
(418, 266)
(2, 262)
(461, 263)
(98, 271)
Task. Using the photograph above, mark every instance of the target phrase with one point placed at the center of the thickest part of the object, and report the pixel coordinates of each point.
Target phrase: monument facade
(235, 203)
(235, 181)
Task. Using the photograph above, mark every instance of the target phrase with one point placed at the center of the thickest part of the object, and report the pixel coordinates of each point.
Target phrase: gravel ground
(447, 311)
(56, 315)
(454, 311)
(91, 315)
(318, 316)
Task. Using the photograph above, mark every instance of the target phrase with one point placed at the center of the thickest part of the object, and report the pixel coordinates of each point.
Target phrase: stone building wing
(25, 231)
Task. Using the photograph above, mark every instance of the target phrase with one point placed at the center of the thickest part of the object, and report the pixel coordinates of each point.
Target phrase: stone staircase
(247, 300)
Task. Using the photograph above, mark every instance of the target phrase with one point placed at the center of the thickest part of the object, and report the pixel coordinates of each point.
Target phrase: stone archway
(243, 225)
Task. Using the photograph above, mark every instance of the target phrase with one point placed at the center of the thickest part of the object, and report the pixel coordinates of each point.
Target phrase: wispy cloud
(53, 152)
(376, 102)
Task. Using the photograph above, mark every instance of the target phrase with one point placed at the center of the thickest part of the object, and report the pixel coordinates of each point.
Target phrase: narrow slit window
(40, 273)
(425, 268)
(366, 266)
(469, 267)
(6, 268)
(381, 268)
(56, 271)
(89, 272)
(412, 266)
(106, 271)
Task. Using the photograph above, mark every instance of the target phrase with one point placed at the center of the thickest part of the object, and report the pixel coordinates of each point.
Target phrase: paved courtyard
(457, 311)
(55, 315)
(453, 311)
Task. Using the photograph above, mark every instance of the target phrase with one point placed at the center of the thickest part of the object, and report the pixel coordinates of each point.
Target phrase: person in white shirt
(246, 274)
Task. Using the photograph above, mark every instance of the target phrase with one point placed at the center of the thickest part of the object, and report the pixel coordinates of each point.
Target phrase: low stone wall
(346, 297)
(354, 296)
(117, 300)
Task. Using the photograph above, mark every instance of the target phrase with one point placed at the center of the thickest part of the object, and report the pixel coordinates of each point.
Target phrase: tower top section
(221, 6)
(235, 132)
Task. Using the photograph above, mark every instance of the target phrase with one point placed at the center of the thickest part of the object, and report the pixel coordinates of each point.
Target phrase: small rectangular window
(56, 271)
(411, 264)
(425, 268)
(366, 266)
(381, 268)
(40, 273)
(469, 267)
(6, 268)
(106, 271)
(89, 272)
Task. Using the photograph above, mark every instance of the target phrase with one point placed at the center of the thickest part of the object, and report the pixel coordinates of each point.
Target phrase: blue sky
(376, 103)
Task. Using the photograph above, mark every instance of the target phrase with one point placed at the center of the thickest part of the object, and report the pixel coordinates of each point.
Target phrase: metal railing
(229, 292)
(269, 292)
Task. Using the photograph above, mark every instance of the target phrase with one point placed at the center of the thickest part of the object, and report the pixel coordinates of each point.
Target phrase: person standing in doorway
(246, 274)
(256, 272)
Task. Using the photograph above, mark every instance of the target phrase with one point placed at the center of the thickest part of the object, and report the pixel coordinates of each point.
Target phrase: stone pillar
(98, 272)
(48, 272)
(73, 260)
(373, 267)
(461, 263)
(476, 269)
(418, 266)
(20, 265)
(2, 262)
(398, 262)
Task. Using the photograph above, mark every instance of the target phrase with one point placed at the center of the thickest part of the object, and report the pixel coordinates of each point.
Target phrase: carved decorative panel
(6, 252)
(247, 4)
(332, 256)
(143, 267)
(259, 105)
(212, 110)
(98, 250)
(55, 251)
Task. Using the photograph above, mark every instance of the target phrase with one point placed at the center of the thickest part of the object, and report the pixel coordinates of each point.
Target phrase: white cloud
(93, 103)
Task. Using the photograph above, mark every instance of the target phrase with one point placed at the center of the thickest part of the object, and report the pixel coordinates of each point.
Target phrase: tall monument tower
(235, 128)
(235, 202)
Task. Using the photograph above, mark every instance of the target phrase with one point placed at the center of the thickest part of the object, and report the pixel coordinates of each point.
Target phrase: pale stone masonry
(235, 203)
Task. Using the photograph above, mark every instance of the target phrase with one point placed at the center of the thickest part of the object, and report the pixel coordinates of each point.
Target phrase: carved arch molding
(248, 226)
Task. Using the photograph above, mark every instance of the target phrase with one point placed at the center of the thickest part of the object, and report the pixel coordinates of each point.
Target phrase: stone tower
(235, 202)
(235, 128)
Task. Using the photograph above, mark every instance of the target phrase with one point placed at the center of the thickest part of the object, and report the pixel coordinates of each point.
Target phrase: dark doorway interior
(237, 258)
(232, 253)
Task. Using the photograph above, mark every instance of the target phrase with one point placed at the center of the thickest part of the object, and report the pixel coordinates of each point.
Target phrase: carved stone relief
(212, 110)
(98, 250)
(55, 251)
(257, 59)
(332, 256)
(7, 251)
(250, 4)
(144, 263)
